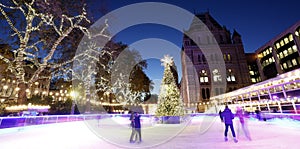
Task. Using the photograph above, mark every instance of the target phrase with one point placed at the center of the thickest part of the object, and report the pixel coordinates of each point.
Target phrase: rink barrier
(267, 116)
(10, 122)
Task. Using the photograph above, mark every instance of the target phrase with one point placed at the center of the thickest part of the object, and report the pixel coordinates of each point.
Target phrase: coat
(227, 116)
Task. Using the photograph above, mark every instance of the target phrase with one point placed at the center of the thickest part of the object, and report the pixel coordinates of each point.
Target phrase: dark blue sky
(257, 21)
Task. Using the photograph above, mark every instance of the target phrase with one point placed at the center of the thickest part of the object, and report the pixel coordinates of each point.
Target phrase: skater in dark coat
(228, 116)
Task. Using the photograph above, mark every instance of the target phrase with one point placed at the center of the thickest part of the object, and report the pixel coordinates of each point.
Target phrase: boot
(235, 140)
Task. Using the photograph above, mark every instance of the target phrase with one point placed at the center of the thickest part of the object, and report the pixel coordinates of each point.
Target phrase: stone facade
(213, 62)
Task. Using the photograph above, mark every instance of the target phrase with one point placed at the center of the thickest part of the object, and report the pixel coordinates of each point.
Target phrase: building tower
(202, 75)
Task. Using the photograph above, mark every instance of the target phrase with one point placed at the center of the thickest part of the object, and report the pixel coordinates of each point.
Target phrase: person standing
(137, 126)
(227, 116)
(133, 131)
(240, 115)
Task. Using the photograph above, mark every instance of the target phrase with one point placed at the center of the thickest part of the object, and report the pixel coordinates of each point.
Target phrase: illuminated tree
(39, 28)
(169, 101)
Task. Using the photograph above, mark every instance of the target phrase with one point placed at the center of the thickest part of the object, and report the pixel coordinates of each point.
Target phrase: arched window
(207, 93)
(203, 58)
(203, 93)
(230, 76)
(203, 76)
(216, 75)
(199, 58)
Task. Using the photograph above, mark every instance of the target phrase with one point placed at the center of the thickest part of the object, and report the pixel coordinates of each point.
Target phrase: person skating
(227, 116)
(137, 126)
(133, 131)
(240, 115)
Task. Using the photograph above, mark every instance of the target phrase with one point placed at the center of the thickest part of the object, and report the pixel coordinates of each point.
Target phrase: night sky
(257, 21)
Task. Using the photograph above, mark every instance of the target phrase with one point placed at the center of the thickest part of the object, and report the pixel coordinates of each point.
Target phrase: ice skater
(227, 116)
(135, 123)
(242, 123)
(132, 140)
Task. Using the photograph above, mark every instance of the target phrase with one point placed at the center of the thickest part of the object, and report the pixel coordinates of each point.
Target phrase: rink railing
(266, 116)
(10, 122)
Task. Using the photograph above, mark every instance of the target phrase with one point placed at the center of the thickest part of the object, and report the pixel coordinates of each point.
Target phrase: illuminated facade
(280, 94)
(197, 76)
(280, 54)
(278, 64)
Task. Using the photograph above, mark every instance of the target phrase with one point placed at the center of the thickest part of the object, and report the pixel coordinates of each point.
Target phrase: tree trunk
(22, 94)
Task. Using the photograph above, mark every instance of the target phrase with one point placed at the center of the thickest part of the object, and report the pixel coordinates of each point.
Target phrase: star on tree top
(167, 60)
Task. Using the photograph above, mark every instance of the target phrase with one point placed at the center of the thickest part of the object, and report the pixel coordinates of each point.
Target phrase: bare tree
(36, 17)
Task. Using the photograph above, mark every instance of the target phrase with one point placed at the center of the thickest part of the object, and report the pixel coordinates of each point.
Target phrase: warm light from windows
(259, 56)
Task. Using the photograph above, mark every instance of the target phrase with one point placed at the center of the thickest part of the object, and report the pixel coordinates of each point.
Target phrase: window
(203, 93)
(290, 51)
(253, 80)
(294, 62)
(286, 40)
(270, 49)
(294, 48)
(284, 66)
(281, 43)
(203, 58)
(251, 72)
(228, 57)
(199, 58)
(216, 75)
(224, 56)
(289, 64)
(270, 60)
(281, 55)
(230, 76)
(203, 76)
(291, 37)
(285, 53)
(277, 45)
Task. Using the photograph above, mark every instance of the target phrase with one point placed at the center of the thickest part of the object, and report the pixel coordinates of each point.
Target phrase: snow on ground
(114, 133)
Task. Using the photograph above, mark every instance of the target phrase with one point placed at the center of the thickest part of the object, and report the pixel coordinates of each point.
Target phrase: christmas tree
(169, 103)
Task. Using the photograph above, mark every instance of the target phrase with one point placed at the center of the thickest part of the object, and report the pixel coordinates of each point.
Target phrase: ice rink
(196, 132)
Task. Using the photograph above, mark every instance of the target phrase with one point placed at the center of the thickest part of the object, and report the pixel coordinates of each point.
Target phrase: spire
(236, 37)
(235, 33)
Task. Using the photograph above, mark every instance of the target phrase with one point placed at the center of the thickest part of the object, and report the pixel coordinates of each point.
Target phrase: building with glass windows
(280, 54)
(278, 64)
(207, 48)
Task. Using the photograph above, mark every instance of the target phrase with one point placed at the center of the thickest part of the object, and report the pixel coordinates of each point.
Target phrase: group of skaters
(135, 123)
(227, 117)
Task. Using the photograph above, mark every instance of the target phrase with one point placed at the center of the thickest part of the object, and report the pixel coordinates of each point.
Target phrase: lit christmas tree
(169, 103)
